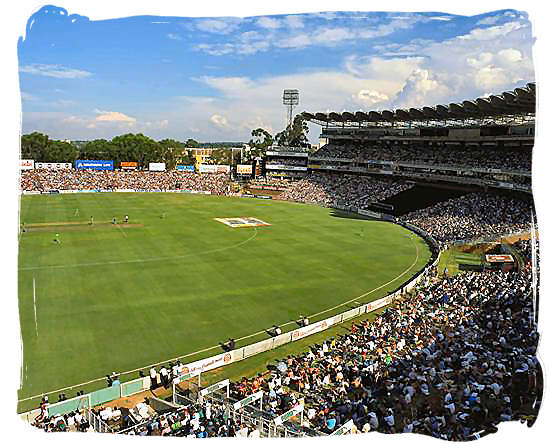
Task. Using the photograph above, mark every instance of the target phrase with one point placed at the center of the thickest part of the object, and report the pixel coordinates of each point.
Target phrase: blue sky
(218, 78)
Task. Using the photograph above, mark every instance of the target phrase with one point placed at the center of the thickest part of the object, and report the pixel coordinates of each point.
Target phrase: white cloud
(370, 97)
(395, 69)
(58, 71)
(268, 23)
(219, 121)
(230, 86)
(420, 89)
(509, 56)
(491, 77)
(297, 41)
(114, 116)
(492, 32)
(490, 20)
(333, 35)
(292, 36)
(219, 26)
(294, 21)
(173, 36)
(156, 125)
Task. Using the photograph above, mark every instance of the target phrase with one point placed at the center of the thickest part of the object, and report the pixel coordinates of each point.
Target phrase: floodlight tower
(290, 98)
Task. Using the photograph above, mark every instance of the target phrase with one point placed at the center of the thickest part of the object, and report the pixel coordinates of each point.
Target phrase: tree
(260, 141)
(139, 148)
(221, 156)
(34, 146)
(294, 135)
(172, 150)
(191, 143)
(41, 148)
(60, 151)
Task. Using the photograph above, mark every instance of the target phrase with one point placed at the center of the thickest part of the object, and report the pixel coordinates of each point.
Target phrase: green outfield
(175, 281)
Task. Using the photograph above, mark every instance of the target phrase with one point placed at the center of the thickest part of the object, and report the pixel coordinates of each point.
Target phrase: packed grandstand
(451, 359)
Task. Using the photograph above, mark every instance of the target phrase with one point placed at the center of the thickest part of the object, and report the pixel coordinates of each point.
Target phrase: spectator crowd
(45, 180)
(451, 361)
(472, 216)
(333, 189)
(512, 159)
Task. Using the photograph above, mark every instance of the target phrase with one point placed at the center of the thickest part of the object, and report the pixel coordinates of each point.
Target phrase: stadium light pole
(290, 99)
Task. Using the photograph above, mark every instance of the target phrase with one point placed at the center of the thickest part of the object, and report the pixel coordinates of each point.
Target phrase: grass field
(126, 296)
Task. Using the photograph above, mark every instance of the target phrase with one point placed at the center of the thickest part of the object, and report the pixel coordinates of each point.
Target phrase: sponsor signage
(297, 334)
(130, 165)
(205, 168)
(183, 377)
(286, 167)
(289, 414)
(301, 154)
(94, 165)
(26, 164)
(248, 400)
(31, 192)
(214, 387)
(344, 429)
(211, 168)
(209, 363)
(186, 168)
(499, 258)
(263, 196)
(53, 165)
(270, 187)
(243, 169)
(157, 166)
(378, 304)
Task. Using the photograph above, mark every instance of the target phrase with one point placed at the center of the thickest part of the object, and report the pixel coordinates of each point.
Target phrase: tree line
(142, 149)
(124, 148)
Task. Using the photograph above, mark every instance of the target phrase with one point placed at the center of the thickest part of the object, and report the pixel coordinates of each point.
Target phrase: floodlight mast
(290, 98)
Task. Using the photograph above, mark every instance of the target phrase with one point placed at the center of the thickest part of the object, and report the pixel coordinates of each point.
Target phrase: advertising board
(157, 166)
(53, 165)
(209, 363)
(243, 169)
(26, 164)
(293, 154)
(94, 165)
(297, 334)
(285, 167)
(499, 258)
(210, 168)
(186, 168)
(205, 168)
(222, 168)
(129, 165)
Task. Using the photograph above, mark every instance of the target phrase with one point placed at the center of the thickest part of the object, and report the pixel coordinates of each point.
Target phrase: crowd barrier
(88, 401)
